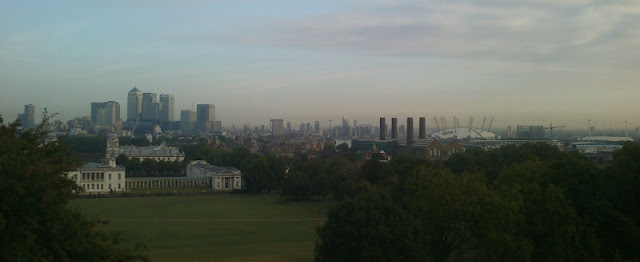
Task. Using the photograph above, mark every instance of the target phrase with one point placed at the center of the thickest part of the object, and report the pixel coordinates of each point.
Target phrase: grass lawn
(229, 227)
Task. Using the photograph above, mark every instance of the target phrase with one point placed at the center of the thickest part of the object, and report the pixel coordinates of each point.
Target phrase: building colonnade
(168, 182)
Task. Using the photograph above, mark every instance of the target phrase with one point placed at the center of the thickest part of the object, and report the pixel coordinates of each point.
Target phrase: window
(119, 176)
(101, 186)
(109, 185)
(93, 186)
(118, 185)
(109, 176)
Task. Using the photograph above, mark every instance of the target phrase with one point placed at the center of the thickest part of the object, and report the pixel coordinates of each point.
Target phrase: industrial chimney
(409, 131)
(383, 128)
(394, 128)
(422, 129)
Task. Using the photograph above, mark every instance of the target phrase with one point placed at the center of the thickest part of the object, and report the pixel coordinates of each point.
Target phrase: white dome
(464, 132)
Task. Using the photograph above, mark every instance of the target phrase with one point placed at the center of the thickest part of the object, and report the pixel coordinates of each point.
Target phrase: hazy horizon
(530, 62)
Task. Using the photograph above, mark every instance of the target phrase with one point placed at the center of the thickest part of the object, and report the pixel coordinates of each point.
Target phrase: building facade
(206, 114)
(188, 120)
(223, 178)
(151, 112)
(157, 153)
(134, 104)
(100, 177)
(277, 127)
(27, 118)
(167, 108)
(531, 132)
(105, 113)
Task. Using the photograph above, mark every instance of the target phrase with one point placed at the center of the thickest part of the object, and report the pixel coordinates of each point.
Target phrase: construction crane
(455, 124)
(437, 125)
(551, 128)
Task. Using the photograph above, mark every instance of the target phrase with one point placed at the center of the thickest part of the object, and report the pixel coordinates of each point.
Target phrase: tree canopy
(527, 203)
(36, 223)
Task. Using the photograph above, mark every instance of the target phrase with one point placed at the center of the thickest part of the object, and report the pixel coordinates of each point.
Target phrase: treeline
(151, 168)
(85, 144)
(261, 174)
(527, 203)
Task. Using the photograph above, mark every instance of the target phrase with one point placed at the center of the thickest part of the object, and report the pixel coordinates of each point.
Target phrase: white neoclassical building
(223, 178)
(100, 177)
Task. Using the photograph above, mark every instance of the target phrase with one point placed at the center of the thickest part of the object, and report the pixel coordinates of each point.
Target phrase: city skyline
(535, 62)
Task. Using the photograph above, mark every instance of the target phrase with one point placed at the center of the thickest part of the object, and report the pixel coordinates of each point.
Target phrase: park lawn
(227, 227)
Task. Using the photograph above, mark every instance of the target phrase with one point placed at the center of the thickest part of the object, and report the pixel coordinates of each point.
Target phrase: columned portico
(168, 182)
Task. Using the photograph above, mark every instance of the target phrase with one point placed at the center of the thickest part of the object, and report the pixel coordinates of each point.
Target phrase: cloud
(575, 32)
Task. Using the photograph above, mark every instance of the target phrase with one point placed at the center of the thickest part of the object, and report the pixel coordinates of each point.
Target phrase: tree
(342, 147)
(36, 223)
(264, 174)
(430, 216)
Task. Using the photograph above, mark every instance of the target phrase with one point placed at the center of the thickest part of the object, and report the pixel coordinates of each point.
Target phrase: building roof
(216, 169)
(135, 90)
(150, 151)
(92, 165)
(464, 132)
(607, 138)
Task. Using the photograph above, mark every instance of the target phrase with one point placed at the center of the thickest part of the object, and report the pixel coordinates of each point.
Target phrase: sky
(523, 62)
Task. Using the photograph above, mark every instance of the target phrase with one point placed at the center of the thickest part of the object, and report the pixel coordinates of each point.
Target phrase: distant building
(151, 111)
(317, 127)
(224, 178)
(277, 127)
(530, 132)
(134, 104)
(167, 110)
(217, 127)
(149, 98)
(188, 120)
(105, 114)
(206, 117)
(27, 118)
(157, 153)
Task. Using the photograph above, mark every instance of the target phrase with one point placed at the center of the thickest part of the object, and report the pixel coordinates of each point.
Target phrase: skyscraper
(167, 108)
(277, 127)
(149, 98)
(188, 120)
(206, 117)
(112, 109)
(150, 111)
(134, 104)
(317, 127)
(27, 118)
(150, 107)
(105, 113)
